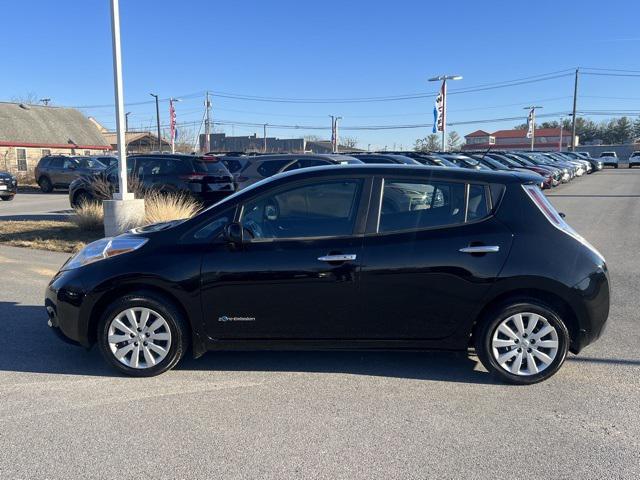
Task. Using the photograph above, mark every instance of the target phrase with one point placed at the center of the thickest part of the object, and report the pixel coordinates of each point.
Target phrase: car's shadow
(28, 345)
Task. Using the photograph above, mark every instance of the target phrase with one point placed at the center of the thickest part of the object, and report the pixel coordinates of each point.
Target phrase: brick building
(29, 132)
(545, 139)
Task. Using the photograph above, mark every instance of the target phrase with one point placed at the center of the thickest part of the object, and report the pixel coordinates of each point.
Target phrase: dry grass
(89, 216)
(55, 235)
(166, 207)
(102, 189)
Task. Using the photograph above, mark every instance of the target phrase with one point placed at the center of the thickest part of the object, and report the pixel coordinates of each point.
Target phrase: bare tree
(453, 141)
(349, 142)
(29, 98)
(427, 144)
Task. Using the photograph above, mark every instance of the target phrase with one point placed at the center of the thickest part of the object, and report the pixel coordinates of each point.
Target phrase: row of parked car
(212, 176)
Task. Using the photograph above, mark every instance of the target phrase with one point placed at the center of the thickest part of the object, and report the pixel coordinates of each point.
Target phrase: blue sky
(322, 50)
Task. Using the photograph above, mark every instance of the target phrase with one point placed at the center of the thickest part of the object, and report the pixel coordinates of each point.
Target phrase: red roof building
(545, 139)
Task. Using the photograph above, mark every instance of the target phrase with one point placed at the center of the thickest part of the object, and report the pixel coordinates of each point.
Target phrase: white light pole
(124, 211)
(443, 79)
(172, 121)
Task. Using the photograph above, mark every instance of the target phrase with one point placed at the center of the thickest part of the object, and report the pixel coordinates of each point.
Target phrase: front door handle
(337, 258)
(481, 249)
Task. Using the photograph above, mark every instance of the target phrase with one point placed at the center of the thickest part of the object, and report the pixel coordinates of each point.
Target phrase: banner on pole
(530, 124)
(440, 110)
(173, 133)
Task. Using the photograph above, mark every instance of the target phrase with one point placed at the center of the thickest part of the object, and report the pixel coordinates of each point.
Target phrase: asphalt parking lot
(64, 414)
(35, 205)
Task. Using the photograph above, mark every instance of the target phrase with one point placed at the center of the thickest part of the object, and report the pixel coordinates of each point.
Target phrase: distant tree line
(433, 142)
(612, 131)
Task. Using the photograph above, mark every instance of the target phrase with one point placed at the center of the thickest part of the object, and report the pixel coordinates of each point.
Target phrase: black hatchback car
(202, 177)
(358, 257)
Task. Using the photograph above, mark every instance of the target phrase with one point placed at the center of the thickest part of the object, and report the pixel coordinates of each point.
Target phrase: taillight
(552, 215)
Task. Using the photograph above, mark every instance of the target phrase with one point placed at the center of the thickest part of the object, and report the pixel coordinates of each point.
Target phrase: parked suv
(59, 171)
(8, 186)
(264, 166)
(359, 257)
(634, 159)
(204, 178)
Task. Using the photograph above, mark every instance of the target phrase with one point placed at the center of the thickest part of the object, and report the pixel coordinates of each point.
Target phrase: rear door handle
(481, 249)
(337, 258)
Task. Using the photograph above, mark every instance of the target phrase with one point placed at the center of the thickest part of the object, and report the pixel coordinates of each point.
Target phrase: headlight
(104, 248)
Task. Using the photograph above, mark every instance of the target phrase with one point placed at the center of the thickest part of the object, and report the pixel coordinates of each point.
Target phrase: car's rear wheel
(7, 198)
(523, 343)
(45, 185)
(141, 335)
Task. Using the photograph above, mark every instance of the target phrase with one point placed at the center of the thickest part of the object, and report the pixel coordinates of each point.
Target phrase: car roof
(486, 176)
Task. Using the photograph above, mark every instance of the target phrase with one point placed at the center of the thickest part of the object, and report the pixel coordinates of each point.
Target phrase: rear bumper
(9, 192)
(593, 296)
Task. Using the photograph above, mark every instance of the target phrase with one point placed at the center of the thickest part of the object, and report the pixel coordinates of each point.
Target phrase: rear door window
(269, 168)
(305, 163)
(409, 205)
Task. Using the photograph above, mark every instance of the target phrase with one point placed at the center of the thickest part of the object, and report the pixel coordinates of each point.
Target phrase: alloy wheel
(139, 337)
(525, 344)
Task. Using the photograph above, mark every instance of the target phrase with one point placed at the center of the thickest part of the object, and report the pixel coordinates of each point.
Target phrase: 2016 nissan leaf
(358, 257)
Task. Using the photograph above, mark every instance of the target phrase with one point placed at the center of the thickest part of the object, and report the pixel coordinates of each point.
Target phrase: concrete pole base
(122, 215)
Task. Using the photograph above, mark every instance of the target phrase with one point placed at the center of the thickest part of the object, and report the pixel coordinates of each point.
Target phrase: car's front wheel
(523, 343)
(142, 335)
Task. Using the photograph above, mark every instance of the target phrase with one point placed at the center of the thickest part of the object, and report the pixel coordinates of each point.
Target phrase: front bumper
(8, 191)
(64, 301)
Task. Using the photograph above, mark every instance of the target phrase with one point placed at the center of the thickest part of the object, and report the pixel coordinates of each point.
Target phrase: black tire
(81, 197)
(45, 185)
(8, 199)
(489, 325)
(180, 335)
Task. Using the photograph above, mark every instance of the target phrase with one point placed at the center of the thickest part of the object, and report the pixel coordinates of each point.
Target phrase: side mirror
(234, 233)
(562, 214)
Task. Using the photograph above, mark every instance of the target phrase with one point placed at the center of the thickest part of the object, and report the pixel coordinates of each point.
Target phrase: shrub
(102, 189)
(89, 216)
(164, 207)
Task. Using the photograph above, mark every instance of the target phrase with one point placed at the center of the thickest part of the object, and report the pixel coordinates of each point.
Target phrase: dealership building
(545, 139)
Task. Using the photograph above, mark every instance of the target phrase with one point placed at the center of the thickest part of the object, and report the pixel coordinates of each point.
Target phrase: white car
(609, 158)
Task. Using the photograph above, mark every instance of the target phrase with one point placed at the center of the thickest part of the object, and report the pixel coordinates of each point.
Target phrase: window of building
(87, 152)
(417, 205)
(46, 152)
(21, 155)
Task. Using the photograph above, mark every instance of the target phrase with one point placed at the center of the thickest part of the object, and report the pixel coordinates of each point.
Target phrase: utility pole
(561, 130)
(207, 124)
(126, 122)
(264, 138)
(443, 99)
(532, 124)
(158, 121)
(573, 117)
